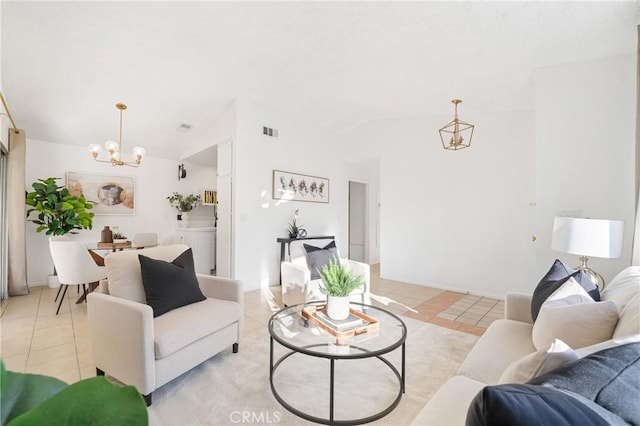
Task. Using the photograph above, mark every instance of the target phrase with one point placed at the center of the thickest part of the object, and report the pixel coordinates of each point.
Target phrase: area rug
(231, 389)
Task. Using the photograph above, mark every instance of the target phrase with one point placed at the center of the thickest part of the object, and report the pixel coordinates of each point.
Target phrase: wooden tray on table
(317, 315)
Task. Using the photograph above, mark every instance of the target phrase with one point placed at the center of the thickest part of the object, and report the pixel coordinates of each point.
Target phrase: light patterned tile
(44, 356)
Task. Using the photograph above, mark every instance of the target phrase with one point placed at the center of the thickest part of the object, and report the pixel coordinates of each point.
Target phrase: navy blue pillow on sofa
(553, 280)
(602, 388)
(170, 285)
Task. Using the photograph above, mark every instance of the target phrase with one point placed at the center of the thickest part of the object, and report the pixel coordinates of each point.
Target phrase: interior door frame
(365, 218)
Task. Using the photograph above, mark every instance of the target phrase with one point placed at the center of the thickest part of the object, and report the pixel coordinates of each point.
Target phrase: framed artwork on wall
(297, 187)
(112, 194)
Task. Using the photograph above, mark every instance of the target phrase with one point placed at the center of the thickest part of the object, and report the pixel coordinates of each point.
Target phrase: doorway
(358, 222)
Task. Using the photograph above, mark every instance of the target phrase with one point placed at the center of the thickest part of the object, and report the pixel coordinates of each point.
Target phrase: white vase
(185, 220)
(338, 307)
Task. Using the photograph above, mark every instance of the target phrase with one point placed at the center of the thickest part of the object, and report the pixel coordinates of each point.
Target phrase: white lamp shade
(588, 237)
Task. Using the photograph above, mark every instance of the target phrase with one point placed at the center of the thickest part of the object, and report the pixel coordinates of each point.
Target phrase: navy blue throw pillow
(320, 256)
(170, 285)
(553, 280)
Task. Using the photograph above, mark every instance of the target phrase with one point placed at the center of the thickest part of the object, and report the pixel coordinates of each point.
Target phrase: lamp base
(592, 275)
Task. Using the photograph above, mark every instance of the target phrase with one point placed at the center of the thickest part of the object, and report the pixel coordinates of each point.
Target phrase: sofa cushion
(180, 327)
(529, 405)
(170, 285)
(629, 321)
(448, 405)
(123, 270)
(623, 287)
(318, 257)
(557, 275)
(612, 343)
(537, 363)
(504, 342)
(571, 315)
(610, 378)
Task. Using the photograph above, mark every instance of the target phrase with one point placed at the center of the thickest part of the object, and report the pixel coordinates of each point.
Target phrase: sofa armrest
(121, 334)
(517, 307)
(221, 288)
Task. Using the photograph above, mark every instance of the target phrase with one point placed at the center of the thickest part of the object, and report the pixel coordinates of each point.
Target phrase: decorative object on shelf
(294, 229)
(456, 134)
(111, 194)
(115, 148)
(296, 187)
(210, 197)
(106, 235)
(337, 285)
(588, 238)
(182, 171)
(119, 238)
(60, 212)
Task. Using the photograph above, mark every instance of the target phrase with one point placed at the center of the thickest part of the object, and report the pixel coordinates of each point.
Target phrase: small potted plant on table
(337, 284)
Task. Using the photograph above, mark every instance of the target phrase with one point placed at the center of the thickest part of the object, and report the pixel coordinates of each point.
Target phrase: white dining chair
(74, 265)
(145, 239)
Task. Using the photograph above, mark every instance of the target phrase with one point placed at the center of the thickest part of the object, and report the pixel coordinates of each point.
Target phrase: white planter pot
(337, 307)
(184, 223)
(53, 281)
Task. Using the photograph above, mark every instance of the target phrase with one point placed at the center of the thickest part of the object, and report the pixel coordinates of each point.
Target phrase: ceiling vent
(268, 131)
(184, 127)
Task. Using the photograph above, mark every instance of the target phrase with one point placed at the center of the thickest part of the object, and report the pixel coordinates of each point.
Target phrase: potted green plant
(119, 237)
(58, 211)
(294, 229)
(337, 284)
(184, 204)
(33, 399)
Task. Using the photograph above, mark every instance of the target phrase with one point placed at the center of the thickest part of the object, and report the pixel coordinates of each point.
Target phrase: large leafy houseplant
(59, 212)
(33, 399)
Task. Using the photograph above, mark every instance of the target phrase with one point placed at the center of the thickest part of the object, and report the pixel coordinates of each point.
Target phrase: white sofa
(129, 344)
(510, 339)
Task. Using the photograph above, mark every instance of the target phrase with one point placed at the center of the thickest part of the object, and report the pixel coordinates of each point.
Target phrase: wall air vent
(268, 131)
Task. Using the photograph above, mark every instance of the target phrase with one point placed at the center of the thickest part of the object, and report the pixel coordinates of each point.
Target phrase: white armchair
(129, 344)
(298, 287)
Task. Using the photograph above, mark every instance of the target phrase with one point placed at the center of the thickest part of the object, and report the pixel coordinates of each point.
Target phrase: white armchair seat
(298, 287)
(129, 344)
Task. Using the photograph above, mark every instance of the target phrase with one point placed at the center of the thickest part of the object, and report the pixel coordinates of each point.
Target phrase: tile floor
(34, 339)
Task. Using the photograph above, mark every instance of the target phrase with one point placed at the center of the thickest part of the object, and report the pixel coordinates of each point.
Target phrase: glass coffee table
(303, 343)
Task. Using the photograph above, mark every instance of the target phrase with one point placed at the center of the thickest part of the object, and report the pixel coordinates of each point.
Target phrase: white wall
(464, 220)
(458, 220)
(260, 220)
(585, 126)
(155, 179)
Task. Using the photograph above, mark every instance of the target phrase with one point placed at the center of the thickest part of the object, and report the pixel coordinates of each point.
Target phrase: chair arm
(221, 288)
(517, 307)
(121, 334)
(294, 275)
(359, 268)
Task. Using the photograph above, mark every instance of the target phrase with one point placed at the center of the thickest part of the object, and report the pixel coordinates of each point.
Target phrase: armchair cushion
(170, 285)
(183, 326)
(318, 257)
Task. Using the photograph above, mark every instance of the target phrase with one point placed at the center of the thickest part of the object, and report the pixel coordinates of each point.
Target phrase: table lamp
(588, 238)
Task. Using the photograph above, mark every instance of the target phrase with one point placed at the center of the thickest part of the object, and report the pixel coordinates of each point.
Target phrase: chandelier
(456, 134)
(115, 148)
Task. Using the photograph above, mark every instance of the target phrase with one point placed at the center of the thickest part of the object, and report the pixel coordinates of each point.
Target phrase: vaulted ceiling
(339, 64)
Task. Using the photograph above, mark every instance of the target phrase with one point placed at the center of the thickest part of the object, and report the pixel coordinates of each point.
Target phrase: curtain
(16, 214)
(635, 260)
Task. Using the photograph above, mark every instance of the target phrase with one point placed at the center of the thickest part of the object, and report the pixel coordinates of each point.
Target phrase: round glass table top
(293, 330)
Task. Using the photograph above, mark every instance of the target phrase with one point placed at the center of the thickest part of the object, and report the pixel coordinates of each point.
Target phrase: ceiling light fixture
(456, 134)
(115, 148)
